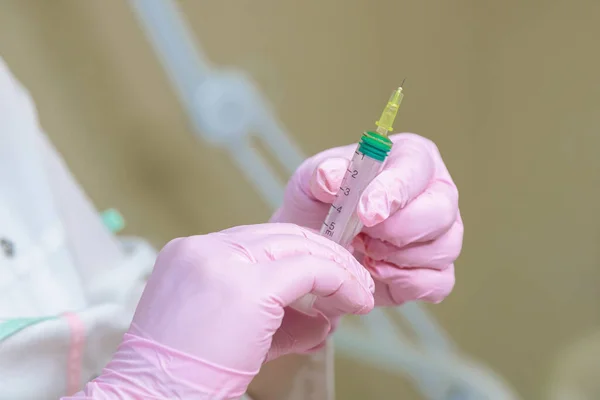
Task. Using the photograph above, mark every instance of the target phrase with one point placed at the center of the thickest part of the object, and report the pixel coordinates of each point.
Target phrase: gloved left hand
(413, 230)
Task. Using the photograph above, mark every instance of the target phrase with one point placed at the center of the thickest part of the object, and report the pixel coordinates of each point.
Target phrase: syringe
(342, 223)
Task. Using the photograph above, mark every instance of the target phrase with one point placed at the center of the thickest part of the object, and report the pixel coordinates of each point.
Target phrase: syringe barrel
(342, 223)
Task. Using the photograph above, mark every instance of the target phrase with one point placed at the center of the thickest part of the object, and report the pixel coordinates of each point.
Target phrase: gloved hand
(413, 230)
(213, 312)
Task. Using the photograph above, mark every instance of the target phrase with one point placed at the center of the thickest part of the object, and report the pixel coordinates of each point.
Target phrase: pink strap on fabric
(75, 357)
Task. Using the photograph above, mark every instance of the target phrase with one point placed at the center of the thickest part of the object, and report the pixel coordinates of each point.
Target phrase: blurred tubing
(481, 384)
(425, 326)
(383, 331)
(189, 70)
(259, 173)
(168, 32)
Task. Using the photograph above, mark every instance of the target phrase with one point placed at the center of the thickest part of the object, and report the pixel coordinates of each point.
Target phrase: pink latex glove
(213, 312)
(413, 230)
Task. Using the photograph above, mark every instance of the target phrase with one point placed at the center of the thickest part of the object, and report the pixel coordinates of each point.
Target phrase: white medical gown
(68, 287)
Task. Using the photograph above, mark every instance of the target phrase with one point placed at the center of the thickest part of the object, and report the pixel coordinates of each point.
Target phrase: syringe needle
(402, 84)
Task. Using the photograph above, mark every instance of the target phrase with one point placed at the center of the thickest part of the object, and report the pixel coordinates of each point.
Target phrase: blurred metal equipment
(225, 108)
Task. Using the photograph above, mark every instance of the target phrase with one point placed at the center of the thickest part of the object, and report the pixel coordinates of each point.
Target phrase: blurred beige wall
(507, 89)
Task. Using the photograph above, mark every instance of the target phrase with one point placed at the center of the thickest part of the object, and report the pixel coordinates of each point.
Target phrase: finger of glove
(270, 230)
(334, 323)
(424, 219)
(327, 178)
(299, 204)
(329, 160)
(296, 277)
(272, 242)
(409, 170)
(436, 254)
(298, 333)
(284, 249)
(414, 284)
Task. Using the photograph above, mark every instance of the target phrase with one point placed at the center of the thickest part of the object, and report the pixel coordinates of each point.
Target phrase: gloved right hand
(215, 309)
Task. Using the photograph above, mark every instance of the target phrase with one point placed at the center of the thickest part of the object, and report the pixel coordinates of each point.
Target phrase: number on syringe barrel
(330, 227)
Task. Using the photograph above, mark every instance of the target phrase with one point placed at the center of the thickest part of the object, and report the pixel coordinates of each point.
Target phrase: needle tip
(402, 84)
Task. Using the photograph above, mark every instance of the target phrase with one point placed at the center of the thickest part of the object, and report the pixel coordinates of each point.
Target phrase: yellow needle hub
(386, 121)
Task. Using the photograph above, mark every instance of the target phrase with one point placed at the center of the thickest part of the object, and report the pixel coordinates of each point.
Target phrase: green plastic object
(12, 326)
(113, 220)
(375, 145)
